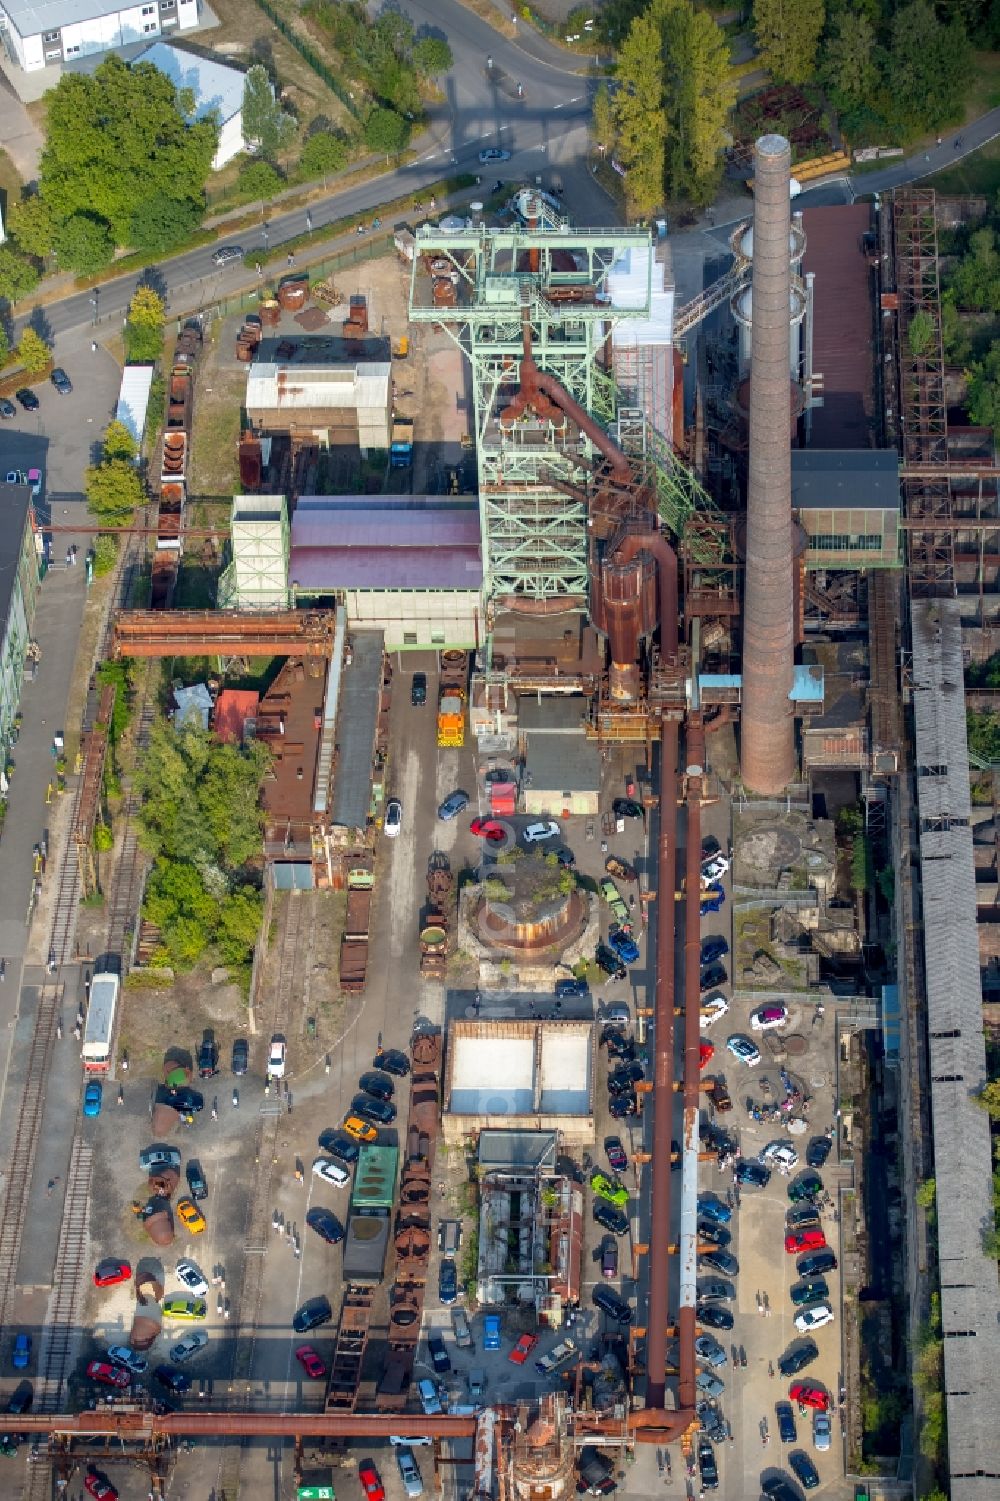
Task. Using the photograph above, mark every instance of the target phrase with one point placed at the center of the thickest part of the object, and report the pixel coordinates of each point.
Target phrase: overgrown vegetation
(201, 820)
(113, 487)
(928, 1375)
(983, 730)
(144, 328)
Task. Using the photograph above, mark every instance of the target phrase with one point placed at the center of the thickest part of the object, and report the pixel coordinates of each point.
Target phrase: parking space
(61, 438)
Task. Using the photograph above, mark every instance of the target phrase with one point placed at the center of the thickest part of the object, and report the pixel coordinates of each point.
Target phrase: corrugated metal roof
(342, 387)
(556, 716)
(233, 707)
(383, 527)
(842, 322)
(133, 398)
(561, 763)
(319, 570)
(215, 85)
(357, 720)
(33, 16)
(845, 478)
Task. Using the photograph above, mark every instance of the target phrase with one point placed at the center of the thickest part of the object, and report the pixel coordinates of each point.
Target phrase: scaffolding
(480, 284)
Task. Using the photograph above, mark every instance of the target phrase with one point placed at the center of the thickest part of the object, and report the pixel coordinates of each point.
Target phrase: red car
(486, 828)
(523, 1348)
(706, 1053)
(805, 1240)
(310, 1362)
(809, 1396)
(108, 1375)
(96, 1485)
(109, 1271)
(371, 1480)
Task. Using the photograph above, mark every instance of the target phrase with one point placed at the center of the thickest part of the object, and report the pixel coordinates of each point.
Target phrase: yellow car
(359, 1129)
(184, 1308)
(191, 1216)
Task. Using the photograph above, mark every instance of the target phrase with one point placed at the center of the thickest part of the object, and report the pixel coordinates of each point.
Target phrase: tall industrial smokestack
(768, 728)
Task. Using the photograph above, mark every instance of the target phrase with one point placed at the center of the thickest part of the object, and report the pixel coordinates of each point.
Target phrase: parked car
(241, 1056)
(107, 1374)
(93, 1095)
(21, 1353)
(277, 1056)
(429, 1400)
(440, 1359)
(781, 1154)
(802, 1216)
(610, 1189)
(174, 1381)
(393, 818)
(188, 1309)
(564, 856)
(714, 1315)
(491, 1331)
(564, 1351)
(712, 1208)
(111, 1271)
(766, 1018)
(377, 1083)
(712, 900)
(751, 1174)
(208, 1056)
(777, 1488)
(818, 1151)
(721, 1098)
(708, 1470)
(711, 976)
(822, 1431)
(7, 409)
(537, 833)
(803, 1293)
(719, 1261)
(742, 1048)
(61, 381)
(621, 1106)
(488, 829)
(192, 1278)
(713, 868)
(714, 947)
(718, 1235)
(710, 1385)
(624, 1078)
(344, 1148)
(713, 1007)
(188, 1346)
(618, 1043)
(382, 1112)
(392, 1061)
(310, 1362)
(186, 1100)
(413, 1485)
(326, 1225)
(607, 960)
(710, 1351)
(715, 1288)
(624, 945)
(786, 1422)
(819, 1261)
(453, 805)
(330, 1171)
(610, 1218)
(615, 1153)
(190, 1216)
(27, 398)
(809, 1186)
(521, 1351)
(371, 1481)
(795, 1359)
(611, 1303)
(99, 1486)
(447, 1282)
(815, 1317)
(809, 1396)
(570, 988)
(460, 1329)
(313, 1313)
(797, 1241)
(626, 807)
(609, 1257)
(131, 1359)
(152, 1159)
(226, 254)
(804, 1470)
(418, 689)
(359, 1129)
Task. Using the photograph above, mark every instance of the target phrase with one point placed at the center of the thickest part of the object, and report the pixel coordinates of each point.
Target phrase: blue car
(92, 1097)
(491, 1331)
(571, 987)
(447, 1282)
(711, 1208)
(22, 1352)
(712, 900)
(625, 947)
(453, 805)
(713, 948)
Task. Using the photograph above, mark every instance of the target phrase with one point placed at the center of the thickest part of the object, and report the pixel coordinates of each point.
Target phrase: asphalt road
(480, 108)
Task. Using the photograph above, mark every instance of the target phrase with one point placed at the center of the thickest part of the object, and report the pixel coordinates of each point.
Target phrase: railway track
(62, 1323)
(129, 874)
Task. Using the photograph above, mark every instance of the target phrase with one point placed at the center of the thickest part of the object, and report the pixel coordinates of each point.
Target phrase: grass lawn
(218, 399)
(979, 172)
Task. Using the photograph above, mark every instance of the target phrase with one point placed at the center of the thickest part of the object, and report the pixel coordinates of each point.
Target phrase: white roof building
(133, 399)
(217, 88)
(46, 33)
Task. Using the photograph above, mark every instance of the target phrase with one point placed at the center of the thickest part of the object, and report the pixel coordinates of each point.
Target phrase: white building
(217, 88)
(44, 33)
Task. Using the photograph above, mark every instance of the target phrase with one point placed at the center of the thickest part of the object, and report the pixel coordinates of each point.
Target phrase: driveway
(22, 140)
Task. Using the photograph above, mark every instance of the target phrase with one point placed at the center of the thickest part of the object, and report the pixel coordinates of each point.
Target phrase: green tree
(18, 276)
(259, 180)
(697, 98)
(602, 120)
(849, 69)
(84, 243)
(32, 227)
(386, 131)
(144, 326)
(238, 925)
(928, 68)
(640, 124)
(322, 152)
(114, 492)
(989, 1098)
(105, 555)
(266, 126)
(33, 352)
(163, 223)
(118, 442)
(4, 347)
(984, 390)
(432, 55)
(117, 137)
(788, 33)
(920, 334)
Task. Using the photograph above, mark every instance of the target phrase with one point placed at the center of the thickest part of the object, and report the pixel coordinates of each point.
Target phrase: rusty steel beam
(687, 1332)
(179, 633)
(663, 1067)
(142, 1425)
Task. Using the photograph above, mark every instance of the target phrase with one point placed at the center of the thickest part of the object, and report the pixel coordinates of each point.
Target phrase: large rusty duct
(768, 728)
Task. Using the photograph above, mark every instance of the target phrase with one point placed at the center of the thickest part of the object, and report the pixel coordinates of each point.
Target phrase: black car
(804, 1217)
(392, 1061)
(806, 1186)
(818, 1151)
(626, 807)
(418, 689)
(709, 847)
(208, 1056)
(21, 1398)
(313, 1313)
(719, 1261)
(610, 1218)
(7, 408)
(609, 1302)
(618, 1044)
(197, 1186)
(786, 1422)
(175, 1381)
(615, 1153)
(707, 1467)
(187, 1100)
(752, 1174)
(804, 1470)
(565, 988)
(339, 1144)
(61, 381)
(453, 805)
(717, 1234)
(716, 1290)
(631, 1068)
(798, 1357)
(326, 1225)
(241, 1055)
(623, 1081)
(815, 1263)
(713, 975)
(608, 960)
(813, 1290)
(440, 1358)
(565, 857)
(380, 1112)
(597, 1473)
(377, 1084)
(28, 399)
(447, 1282)
(714, 1316)
(713, 948)
(621, 1106)
(777, 1488)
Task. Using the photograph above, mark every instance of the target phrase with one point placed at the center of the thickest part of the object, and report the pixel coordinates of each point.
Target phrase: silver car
(124, 1356)
(413, 1485)
(188, 1346)
(226, 254)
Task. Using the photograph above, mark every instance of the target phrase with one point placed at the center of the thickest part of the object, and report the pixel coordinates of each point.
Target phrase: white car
(430, 1401)
(713, 868)
(712, 1007)
(331, 1172)
(766, 1018)
(188, 1346)
(814, 1318)
(122, 1355)
(276, 1057)
(192, 1278)
(536, 832)
(780, 1153)
(393, 818)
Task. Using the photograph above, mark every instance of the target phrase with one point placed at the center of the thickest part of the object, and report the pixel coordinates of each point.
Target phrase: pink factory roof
(385, 542)
(382, 525)
(375, 566)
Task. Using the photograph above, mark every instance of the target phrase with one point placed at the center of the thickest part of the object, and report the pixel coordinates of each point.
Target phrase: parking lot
(63, 436)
